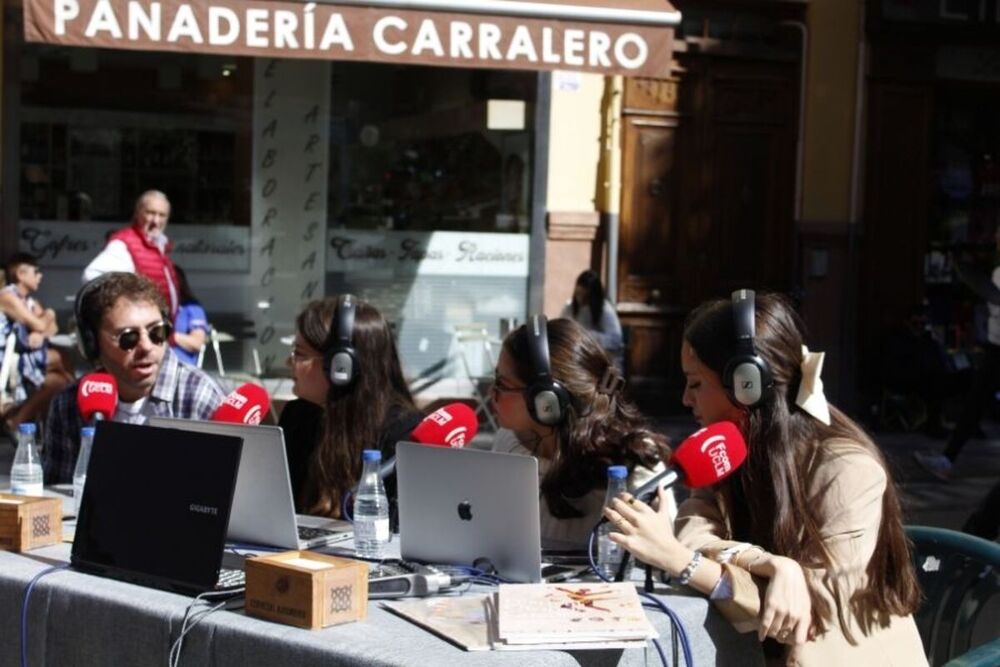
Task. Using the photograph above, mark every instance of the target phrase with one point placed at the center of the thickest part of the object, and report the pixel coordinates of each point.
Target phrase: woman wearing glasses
(600, 428)
(328, 427)
(124, 328)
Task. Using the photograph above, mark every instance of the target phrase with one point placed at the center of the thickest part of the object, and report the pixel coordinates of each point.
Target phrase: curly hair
(601, 428)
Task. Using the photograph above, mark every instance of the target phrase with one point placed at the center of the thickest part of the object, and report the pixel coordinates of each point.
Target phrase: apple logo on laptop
(465, 510)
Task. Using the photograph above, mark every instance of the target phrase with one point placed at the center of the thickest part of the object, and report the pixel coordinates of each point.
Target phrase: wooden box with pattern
(306, 589)
(29, 522)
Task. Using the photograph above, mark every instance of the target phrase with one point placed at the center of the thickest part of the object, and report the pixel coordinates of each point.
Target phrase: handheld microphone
(706, 457)
(454, 425)
(97, 396)
(247, 404)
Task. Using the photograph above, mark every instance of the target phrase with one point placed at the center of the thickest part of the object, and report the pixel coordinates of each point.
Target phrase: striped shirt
(180, 391)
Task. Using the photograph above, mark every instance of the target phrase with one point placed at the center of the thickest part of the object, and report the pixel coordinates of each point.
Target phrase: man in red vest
(142, 248)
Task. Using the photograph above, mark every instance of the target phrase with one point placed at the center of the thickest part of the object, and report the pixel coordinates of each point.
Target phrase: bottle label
(26, 489)
(376, 529)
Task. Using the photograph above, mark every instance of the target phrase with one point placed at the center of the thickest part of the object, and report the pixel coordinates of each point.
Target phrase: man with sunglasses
(124, 329)
(143, 248)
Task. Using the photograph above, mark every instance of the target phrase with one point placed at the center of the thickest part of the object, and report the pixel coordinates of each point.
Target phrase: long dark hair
(767, 499)
(591, 283)
(184, 292)
(354, 415)
(601, 429)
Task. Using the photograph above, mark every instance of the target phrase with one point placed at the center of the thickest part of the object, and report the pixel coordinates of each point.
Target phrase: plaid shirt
(180, 391)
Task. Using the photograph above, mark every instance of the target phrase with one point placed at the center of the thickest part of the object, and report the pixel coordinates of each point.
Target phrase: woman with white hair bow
(804, 543)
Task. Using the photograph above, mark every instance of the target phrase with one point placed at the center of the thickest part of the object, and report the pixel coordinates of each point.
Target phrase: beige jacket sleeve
(848, 483)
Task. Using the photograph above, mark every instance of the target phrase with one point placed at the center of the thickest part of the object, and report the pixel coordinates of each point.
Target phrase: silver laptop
(263, 508)
(459, 505)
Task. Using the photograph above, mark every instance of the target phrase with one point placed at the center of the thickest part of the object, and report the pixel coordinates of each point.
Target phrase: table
(80, 619)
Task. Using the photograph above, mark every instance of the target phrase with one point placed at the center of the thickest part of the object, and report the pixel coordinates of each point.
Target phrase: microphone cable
(24, 609)
(174, 657)
(675, 620)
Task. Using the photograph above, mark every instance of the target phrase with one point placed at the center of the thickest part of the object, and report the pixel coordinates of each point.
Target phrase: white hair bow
(811, 398)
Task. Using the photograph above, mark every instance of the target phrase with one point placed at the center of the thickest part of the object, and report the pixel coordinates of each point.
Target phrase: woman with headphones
(561, 396)
(804, 543)
(352, 397)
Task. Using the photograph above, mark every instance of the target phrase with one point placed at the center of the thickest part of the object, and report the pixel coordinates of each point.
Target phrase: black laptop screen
(157, 504)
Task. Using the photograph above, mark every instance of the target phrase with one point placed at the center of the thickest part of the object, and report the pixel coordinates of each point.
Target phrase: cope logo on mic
(440, 417)
(96, 387)
(237, 400)
(715, 447)
(253, 416)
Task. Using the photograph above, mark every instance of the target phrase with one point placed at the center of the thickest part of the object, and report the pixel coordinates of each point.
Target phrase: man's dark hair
(16, 261)
(101, 297)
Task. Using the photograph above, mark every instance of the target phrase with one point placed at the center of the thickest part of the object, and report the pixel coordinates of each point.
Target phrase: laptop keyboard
(231, 579)
(306, 533)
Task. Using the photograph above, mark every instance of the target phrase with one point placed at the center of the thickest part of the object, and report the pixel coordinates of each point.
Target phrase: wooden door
(707, 203)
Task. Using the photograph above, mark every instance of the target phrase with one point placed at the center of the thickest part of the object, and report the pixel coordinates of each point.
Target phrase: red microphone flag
(454, 425)
(97, 396)
(710, 455)
(248, 404)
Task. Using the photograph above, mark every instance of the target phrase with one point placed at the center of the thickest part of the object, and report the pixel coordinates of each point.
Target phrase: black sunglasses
(158, 332)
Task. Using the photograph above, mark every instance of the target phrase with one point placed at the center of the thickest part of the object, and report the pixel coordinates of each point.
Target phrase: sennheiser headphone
(746, 374)
(340, 361)
(548, 401)
(86, 331)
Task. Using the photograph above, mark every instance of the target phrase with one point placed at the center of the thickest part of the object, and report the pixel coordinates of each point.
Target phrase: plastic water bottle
(609, 554)
(26, 473)
(371, 510)
(82, 461)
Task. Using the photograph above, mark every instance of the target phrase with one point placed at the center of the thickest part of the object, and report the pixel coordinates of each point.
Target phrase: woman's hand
(786, 614)
(646, 533)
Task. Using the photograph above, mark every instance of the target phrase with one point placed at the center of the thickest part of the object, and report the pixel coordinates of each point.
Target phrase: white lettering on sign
(287, 29)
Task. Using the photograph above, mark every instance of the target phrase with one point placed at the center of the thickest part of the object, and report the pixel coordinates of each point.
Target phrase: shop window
(412, 149)
(170, 122)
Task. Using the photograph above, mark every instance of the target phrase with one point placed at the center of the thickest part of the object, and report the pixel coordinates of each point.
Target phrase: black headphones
(86, 332)
(340, 361)
(548, 401)
(746, 375)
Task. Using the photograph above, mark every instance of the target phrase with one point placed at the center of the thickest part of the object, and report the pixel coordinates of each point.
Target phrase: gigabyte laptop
(263, 509)
(460, 505)
(156, 505)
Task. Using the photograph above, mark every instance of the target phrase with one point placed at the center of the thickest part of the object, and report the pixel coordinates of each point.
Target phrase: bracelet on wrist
(688, 572)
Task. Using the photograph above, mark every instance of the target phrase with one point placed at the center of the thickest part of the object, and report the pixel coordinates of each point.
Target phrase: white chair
(475, 349)
(214, 338)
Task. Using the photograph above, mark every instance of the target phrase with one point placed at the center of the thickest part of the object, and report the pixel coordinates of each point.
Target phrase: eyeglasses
(298, 356)
(158, 332)
(500, 388)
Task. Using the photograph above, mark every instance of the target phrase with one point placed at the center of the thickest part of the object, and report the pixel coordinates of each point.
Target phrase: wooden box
(306, 589)
(29, 522)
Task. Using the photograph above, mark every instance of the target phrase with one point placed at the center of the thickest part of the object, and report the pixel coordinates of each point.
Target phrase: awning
(631, 37)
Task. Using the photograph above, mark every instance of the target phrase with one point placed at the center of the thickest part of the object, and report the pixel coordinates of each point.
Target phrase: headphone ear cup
(547, 403)
(745, 379)
(340, 365)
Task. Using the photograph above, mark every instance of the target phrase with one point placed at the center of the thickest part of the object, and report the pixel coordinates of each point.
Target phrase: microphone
(453, 425)
(97, 396)
(247, 404)
(706, 457)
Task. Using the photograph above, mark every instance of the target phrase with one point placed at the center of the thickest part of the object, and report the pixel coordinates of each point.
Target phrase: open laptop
(156, 505)
(459, 505)
(263, 509)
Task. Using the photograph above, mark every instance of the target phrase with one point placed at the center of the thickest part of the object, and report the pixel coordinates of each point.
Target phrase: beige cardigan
(854, 483)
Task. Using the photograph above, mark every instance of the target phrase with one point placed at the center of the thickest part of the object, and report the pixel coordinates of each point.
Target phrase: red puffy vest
(150, 262)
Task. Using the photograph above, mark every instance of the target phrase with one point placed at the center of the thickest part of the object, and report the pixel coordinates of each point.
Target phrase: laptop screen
(156, 505)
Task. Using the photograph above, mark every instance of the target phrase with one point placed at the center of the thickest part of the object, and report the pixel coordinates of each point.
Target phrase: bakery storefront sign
(632, 38)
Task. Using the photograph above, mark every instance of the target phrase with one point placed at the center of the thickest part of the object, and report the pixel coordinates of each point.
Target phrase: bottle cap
(617, 472)
(27, 427)
(371, 455)
(87, 432)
